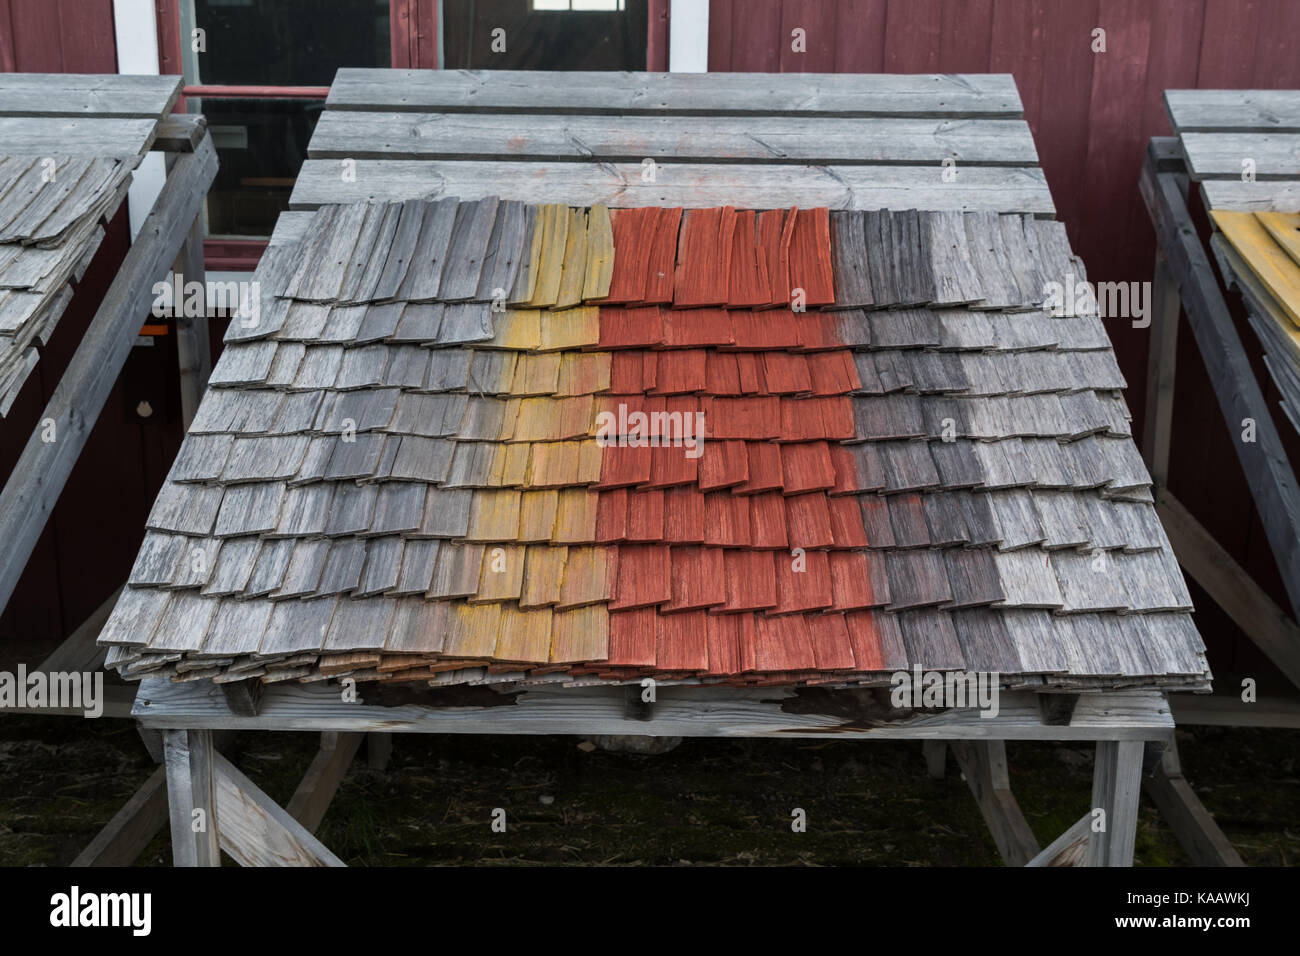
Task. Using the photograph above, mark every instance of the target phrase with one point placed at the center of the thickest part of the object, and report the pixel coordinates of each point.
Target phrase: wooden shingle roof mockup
(68, 144)
(482, 441)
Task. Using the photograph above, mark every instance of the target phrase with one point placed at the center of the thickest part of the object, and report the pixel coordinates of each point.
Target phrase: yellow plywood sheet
(1284, 227)
(525, 634)
(580, 635)
(494, 516)
(575, 516)
(600, 254)
(1278, 273)
(576, 328)
(537, 516)
(543, 572)
(472, 630)
(502, 575)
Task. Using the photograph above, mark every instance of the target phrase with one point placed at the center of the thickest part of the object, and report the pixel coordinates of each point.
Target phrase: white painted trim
(688, 36)
(135, 31)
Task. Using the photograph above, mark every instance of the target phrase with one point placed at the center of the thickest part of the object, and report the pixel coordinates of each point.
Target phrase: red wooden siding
(1092, 114)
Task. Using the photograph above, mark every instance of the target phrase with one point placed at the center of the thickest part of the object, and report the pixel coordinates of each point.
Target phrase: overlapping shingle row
(50, 212)
(486, 441)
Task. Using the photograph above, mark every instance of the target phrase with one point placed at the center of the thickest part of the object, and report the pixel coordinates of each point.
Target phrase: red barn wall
(1091, 114)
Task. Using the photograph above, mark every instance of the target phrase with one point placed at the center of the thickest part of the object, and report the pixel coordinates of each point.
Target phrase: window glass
(282, 42)
(261, 145)
(544, 34)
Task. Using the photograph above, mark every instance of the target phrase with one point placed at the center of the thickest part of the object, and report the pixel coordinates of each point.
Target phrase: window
(260, 70)
(544, 34)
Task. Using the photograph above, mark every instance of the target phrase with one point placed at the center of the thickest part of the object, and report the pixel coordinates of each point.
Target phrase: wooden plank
(1230, 587)
(1231, 155)
(180, 132)
(193, 345)
(1278, 196)
(1204, 111)
(189, 757)
(1076, 834)
(125, 836)
(1195, 828)
(321, 781)
(1116, 780)
(1275, 270)
(75, 136)
(1264, 461)
(1162, 354)
(87, 94)
(1229, 710)
(984, 765)
(979, 188)
(818, 139)
(38, 477)
(1285, 230)
(722, 94)
(256, 831)
(679, 711)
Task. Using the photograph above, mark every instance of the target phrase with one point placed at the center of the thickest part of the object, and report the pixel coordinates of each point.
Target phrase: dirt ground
(708, 802)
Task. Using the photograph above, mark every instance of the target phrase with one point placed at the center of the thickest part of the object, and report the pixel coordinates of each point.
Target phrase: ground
(708, 802)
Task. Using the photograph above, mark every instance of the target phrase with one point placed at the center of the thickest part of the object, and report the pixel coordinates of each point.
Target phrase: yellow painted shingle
(580, 635)
(575, 516)
(600, 254)
(554, 464)
(494, 516)
(543, 571)
(537, 515)
(588, 576)
(575, 262)
(502, 575)
(537, 374)
(583, 373)
(575, 328)
(553, 224)
(525, 634)
(518, 329)
(553, 419)
(515, 473)
(472, 630)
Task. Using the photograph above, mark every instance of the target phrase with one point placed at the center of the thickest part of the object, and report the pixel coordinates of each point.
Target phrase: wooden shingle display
(915, 469)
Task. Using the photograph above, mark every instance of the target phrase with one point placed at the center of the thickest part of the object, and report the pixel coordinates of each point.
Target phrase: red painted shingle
(786, 373)
(809, 521)
(698, 579)
(727, 521)
(704, 257)
(662, 261)
(682, 642)
(645, 516)
(723, 634)
(634, 234)
(806, 466)
(751, 580)
(632, 638)
(723, 464)
(810, 256)
(767, 521)
(680, 371)
(764, 468)
(749, 286)
(808, 589)
(670, 465)
(707, 326)
(622, 465)
(643, 576)
(829, 636)
(774, 329)
(781, 643)
(631, 327)
(851, 581)
(684, 515)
